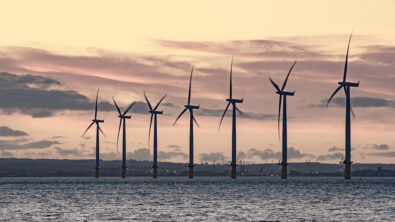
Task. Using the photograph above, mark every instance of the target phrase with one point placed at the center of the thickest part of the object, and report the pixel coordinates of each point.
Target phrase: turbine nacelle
(155, 112)
(98, 121)
(352, 84)
(285, 93)
(235, 100)
(124, 117)
(192, 107)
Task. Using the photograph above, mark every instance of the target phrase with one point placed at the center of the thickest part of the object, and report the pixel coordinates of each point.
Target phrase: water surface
(200, 199)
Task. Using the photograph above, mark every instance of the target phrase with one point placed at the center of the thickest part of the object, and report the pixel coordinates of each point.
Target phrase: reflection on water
(208, 199)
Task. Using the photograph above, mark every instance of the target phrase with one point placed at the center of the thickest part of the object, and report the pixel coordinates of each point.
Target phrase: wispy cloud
(174, 147)
(8, 132)
(6, 154)
(70, 152)
(270, 154)
(377, 146)
(259, 48)
(212, 157)
(22, 145)
(382, 154)
(335, 149)
(32, 95)
(362, 102)
(379, 54)
(145, 154)
(331, 156)
(171, 155)
(246, 115)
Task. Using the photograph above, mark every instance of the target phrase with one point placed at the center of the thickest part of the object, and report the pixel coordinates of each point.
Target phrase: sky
(55, 55)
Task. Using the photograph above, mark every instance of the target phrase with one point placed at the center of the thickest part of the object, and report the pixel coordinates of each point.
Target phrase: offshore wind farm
(197, 111)
(231, 101)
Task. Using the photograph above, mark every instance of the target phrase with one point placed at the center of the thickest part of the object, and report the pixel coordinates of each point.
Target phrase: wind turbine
(232, 101)
(97, 121)
(154, 112)
(346, 86)
(191, 120)
(283, 98)
(123, 117)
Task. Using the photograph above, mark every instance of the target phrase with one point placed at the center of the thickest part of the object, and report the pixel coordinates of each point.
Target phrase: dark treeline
(85, 168)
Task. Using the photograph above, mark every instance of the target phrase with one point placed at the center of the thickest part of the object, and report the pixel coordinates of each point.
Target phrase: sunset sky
(55, 55)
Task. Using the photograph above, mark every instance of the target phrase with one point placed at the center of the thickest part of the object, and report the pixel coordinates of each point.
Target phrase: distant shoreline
(13, 167)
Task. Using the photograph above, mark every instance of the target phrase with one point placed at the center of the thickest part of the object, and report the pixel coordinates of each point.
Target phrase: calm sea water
(200, 199)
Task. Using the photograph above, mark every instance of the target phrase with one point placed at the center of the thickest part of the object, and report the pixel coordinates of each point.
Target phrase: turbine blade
(197, 124)
(157, 105)
(88, 128)
(97, 96)
(274, 84)
(286, 79)
(230, 87)
(179, 116)
(238, 110)
(333, 94)
(346, 63)
(119, 129)
(279, 113)
(149, 131)
(131, 105)
(149, 104)
(222, 118)
(116, 106)
(190, 83)
(102, 131)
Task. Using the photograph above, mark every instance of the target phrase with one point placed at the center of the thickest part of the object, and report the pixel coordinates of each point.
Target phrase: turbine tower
(283, 98)
(191, 120)
(97, 121)
(123, 117)
(346, 86)
(154, 112)
(232, 101)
